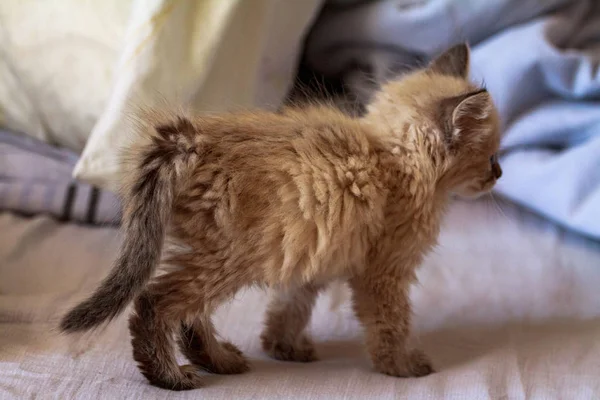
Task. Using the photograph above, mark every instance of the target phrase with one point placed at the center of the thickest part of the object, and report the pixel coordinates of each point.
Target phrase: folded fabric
(540, 60)
(37, 178)
(209, 56)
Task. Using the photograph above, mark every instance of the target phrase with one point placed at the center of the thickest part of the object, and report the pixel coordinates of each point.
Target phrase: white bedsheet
(508, 307)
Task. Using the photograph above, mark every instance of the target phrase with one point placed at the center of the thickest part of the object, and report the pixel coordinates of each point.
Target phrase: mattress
(507, 307)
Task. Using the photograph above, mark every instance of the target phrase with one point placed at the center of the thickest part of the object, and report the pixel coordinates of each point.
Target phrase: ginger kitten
(292, 201)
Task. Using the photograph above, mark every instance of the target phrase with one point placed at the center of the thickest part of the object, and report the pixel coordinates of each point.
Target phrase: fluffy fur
(292, 201)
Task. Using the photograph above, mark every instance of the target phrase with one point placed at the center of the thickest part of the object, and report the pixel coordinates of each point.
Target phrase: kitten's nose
(496, 170)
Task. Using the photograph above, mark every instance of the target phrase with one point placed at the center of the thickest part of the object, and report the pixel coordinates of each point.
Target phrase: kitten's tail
(163, 158)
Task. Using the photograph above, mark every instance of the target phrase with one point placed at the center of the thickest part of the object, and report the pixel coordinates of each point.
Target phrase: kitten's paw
(419, 364)
(192, 379)
(188, 378)
(231, 347)
(230, 361)
(415, 364)
(302, 350)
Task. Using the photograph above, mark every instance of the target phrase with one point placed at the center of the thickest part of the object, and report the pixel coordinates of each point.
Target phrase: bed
(507, 307)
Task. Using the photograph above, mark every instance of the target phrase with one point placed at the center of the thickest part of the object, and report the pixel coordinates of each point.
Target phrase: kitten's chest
(413, 231)
(420, 237)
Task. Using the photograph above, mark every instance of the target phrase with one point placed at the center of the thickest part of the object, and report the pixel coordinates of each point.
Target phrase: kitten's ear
(476, 106)
(453, 62)
(469, 118)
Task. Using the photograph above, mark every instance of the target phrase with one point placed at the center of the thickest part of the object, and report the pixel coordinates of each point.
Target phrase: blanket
(36, 178)
(505, 313)
(539, 59)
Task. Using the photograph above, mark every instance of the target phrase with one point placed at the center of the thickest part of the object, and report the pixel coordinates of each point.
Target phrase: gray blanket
(539, 59)
(36, 178)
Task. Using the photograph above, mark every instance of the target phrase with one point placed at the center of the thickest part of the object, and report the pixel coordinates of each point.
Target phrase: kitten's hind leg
(287, 316)
(159, 310)
(198, 344)
(153, 348)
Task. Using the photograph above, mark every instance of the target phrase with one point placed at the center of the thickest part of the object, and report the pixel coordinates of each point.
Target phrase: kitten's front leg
(382, 305)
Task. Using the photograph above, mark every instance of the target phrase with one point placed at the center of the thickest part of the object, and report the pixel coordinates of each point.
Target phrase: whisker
(497, 206)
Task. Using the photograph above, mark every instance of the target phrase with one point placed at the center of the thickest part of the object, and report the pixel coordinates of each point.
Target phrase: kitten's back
(310, 178)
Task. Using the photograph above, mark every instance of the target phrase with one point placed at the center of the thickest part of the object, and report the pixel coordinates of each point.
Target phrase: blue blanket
(539, 59)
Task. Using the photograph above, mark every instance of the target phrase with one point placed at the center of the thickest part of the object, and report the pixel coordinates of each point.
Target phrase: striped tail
(166, 152)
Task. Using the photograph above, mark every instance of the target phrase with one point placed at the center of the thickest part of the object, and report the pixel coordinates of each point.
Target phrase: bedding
(539, 59)
(70, 71)
(210, 56)
(58, 61)
(36, 177)
(507, 307)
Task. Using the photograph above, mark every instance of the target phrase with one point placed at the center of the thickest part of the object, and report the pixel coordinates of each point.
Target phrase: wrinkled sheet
(539, 59)
(507, 307)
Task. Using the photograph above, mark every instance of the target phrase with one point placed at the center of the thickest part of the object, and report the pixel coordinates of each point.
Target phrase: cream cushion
(212, 55)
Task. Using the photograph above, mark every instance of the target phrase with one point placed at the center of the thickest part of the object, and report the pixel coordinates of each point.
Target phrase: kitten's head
(439, 111)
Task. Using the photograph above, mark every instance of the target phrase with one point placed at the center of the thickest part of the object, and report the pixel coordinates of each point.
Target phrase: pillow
(57, 65)
(213, 55)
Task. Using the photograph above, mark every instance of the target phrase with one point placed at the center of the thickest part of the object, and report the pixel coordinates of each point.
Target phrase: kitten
(292, 201)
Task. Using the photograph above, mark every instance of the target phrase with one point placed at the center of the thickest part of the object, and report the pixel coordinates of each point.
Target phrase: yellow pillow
(212, 55)
(57, 65)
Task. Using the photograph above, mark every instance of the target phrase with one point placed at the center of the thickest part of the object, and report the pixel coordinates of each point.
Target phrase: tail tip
(70, 323)
(76, 320)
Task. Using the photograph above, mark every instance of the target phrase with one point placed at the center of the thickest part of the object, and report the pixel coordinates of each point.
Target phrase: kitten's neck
(415, 166)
